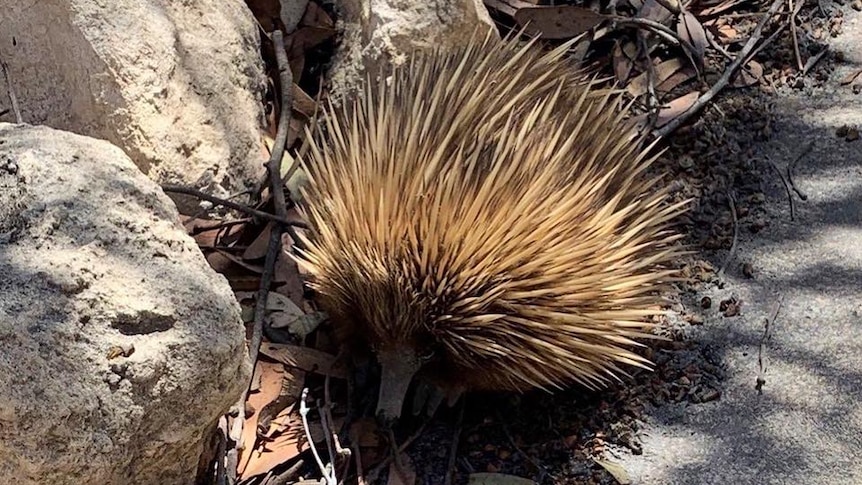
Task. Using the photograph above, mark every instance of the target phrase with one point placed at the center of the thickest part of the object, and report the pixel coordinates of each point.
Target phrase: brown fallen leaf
(640, 83)
(560, 22)
(690, 30)
(652, 10)
(726, 34)
(401, 471)
(675, 108)
(305, 358)
(721, 7)
(270, 375)
(749, 76)
(624, 59)
(676, 79)
(508, 7)
(302, 102)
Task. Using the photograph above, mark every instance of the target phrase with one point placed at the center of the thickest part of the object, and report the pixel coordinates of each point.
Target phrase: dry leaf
(508, 7)
(640, 84)
(317, 17)
(302, 102)
(675, 108)
(497, 479)
(676, 79)
(271, 376)
(721, 7)
(727, 33)
(616, 470)
(690, 30)
(257, 249)
(749, 76)
(284, 312)
(624, 59)
(652, 10)
(305, 358)
(401, 471)
(560, 22)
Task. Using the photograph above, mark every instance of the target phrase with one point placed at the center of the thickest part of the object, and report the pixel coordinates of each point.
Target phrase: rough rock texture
(376, 31)
(92, 261)
(176, 85)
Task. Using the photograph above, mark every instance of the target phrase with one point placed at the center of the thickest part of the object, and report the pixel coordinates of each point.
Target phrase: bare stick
(11, 92)
(273, 248)
(786, 188)
(792, 165)
(328, 475)
(761, 350)
(793, 35)
(179, 189)
(725, 78)
(732, 252)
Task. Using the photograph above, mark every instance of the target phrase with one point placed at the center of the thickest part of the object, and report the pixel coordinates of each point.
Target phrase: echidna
(481, 216)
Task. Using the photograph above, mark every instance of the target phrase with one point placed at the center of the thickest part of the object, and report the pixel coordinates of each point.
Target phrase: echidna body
(481, 216)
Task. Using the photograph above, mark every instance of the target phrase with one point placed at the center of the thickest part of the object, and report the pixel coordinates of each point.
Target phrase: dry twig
(786, 188)
(761, 351)
(179, 189)
(792, 165)
(732, 253)
(731, 70)
(273, 168)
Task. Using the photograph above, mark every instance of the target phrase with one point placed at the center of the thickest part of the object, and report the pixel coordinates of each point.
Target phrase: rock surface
(379, 31)
(119, 345)
(176, 85)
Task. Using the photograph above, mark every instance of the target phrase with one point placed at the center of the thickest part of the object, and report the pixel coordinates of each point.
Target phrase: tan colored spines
(488, 207)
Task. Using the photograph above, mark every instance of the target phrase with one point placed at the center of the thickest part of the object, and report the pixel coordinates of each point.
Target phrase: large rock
(176, 85)
(376, 32)
(119, 346)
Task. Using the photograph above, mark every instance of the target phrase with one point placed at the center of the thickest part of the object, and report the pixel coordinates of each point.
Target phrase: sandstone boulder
(381, 31)
(176, 85)
(119, 346)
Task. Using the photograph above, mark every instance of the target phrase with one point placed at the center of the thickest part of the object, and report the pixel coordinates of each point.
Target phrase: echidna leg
(398, 366)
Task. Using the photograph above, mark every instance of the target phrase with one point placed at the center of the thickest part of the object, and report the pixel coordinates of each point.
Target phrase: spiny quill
(482, 218)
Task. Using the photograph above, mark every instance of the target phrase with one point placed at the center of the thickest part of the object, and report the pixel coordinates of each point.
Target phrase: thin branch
(732, 253)
(273, 167)
(793, 34)
(179, 189)
(11, 92)
(792, 166)
(761, 350)
(740, 60)
(786, 188)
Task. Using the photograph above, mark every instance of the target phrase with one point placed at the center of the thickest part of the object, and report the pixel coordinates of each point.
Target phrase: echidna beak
(398, 366)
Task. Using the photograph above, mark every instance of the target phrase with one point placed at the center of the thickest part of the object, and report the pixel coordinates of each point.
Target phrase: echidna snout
(490, 203)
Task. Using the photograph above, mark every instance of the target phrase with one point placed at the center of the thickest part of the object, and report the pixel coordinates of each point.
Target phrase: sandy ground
(806, 425)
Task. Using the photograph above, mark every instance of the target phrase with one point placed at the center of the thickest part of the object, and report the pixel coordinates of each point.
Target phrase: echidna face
(488, 208)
